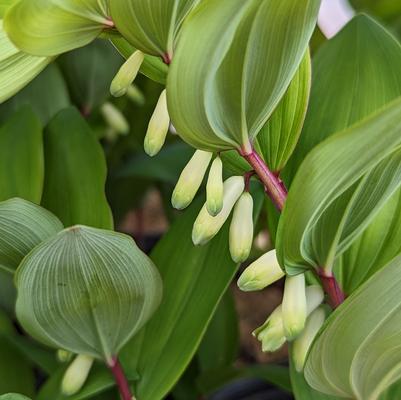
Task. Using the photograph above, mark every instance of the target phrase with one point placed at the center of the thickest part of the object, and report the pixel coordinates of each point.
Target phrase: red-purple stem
(121, 380)
(277, 191)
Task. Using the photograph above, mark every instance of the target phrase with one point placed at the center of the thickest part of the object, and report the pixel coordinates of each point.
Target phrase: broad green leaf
(219, 347)
(151, 27)
(354, 74)
(89, 72)
(17, 69)
(52, 27)
(13, 396)
(278, 138)
(75, 172)
(222, 94)
(50, 101)
(339, 192)
(357, 354)
(4, 5)
(86, 290)
(21, 157)
(164, 348)
(152, 67)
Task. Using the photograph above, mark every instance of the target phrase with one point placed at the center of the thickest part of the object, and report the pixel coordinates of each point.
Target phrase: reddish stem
(278, 193)
(273, 184)
(121, 380)
(332, 288)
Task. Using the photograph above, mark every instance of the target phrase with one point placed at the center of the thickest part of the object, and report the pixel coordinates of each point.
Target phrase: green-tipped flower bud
(241, 228)
(215, 188)
(158, 127)
(64, 355)
(261, 273)
(115, 118)
(76, 375)
(207, 226)
(314, 297)
(127, 74)
(294, 306)
(271, 333)
(136, 95)
(302, 344)
(190, 179)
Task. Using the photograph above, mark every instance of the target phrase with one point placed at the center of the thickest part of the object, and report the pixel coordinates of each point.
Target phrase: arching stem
(121, 380)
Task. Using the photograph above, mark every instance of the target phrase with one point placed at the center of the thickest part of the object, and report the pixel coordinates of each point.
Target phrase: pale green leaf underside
(17, 69)
(86, 290)
(52, 27)
(358, 353)
(151, 26)
(222, 93)
(341, 186)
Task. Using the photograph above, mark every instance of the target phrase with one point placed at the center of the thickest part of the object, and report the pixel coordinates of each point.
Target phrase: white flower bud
(241, 229)
(190, 179)
(127, 74)
(158, 127)
(302, 344)
(271, 333)
(261, 273)
(314, 297)
(207, 226)
(76, 374)
(215, 188)
(294, 306)
(136, 95)
(115, 118)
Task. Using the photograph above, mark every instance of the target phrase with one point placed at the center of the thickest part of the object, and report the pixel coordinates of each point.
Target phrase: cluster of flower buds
(221, 199)
(160, 121)
(297, 319)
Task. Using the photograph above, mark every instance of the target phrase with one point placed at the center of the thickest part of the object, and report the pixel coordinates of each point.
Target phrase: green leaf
(52, 27)
(13, 396)
(50, 101)
(278, 138)
(75, 172)
(152, 67)
(17, 69)
(354, 74)
(340, 193)
(86, 290)
(4, 5)
(357, 354)
(21, 157)
(89, 72)
(164, 348)
(223, 94)
(151, 27)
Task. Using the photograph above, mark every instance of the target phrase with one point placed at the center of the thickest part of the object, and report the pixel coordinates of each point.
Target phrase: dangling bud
(64, 355)
(76, 374)
(206, 226)
(214, 188)
(127, 74)
(190, 179)
(241, 229)
(115, 118)
(314, 297)
(158, 127)
(302, 344)
(136, 95)
(261, 273)
(294, 306)
(271, 333)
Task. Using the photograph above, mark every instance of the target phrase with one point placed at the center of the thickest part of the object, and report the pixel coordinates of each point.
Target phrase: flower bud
(215, 188)
(241, 229)
(314, 297)
(136, 95)
(115, 118)
(158, 127)
(207, 226)
(261, 273)
(271, 333)
(294, 306)
(127, 74)
(76, 374)
(190, 179)
(64, 355)
(302, 344)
